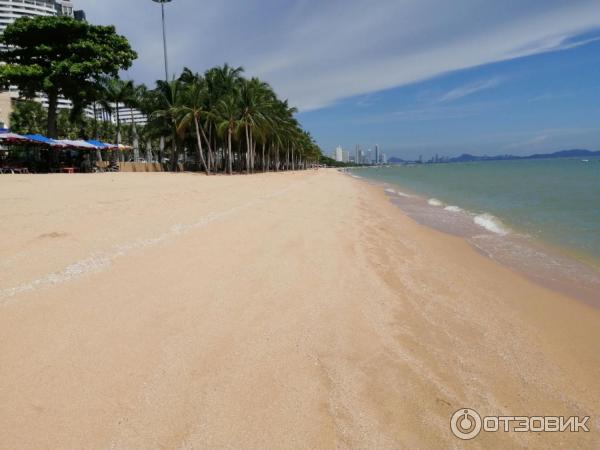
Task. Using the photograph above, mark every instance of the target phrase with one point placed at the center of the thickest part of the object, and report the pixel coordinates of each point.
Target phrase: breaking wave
(491, 223)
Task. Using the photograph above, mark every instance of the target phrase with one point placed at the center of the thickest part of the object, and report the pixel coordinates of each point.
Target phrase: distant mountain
(575, 153)
(394, 160)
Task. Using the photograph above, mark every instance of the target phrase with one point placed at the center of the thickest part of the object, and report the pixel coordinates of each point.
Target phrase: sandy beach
(273, 311)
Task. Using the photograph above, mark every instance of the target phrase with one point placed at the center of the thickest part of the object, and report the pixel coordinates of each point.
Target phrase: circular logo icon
(465, 424)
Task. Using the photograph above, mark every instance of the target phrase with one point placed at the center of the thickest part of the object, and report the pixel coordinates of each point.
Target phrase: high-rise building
(64, 8)
(11, 10)
(80, 15)
(126, 114)
(338, 154)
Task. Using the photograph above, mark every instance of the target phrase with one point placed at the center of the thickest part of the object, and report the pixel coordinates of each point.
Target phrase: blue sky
(540, 103)
(414, 76)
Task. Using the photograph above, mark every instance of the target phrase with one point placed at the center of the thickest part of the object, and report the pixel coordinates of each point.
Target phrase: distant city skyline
(340, 154)
(417, 76)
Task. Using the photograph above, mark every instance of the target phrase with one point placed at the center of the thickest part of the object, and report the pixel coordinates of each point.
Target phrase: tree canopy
(61, 56)
(228, 121)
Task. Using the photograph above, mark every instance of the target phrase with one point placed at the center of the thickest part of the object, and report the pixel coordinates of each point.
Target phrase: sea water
(539, 216)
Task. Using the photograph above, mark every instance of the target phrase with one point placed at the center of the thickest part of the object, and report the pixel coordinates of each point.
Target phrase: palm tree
(255, 105)
(168, 101)
(227, 119)
(231, 115)
(117, 92)
(191, 110)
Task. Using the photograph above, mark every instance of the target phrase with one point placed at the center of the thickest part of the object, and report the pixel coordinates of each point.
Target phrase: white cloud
(319, 52)
(469, 89)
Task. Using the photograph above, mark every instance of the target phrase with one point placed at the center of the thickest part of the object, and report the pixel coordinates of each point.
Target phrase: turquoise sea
(508, 208)
(557, 200)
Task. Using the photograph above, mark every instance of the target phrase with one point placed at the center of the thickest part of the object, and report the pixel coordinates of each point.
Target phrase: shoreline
(286, 310)
(507, 245)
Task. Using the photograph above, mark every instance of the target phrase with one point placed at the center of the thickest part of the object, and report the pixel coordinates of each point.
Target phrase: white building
(338, 154)
(11, 10)
(126, 115)
(64, 8)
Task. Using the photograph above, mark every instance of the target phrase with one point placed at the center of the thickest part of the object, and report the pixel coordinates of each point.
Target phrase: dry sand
(161, 311)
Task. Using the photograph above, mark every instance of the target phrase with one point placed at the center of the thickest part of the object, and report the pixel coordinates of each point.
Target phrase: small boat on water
(585, 160)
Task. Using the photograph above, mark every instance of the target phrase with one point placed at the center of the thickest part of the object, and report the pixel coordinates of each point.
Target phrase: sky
(416, 77)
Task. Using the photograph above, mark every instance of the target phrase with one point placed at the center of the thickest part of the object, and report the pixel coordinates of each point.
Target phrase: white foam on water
(390, 191)
(434, 202)
(491, 223)
(453, 208)
(402, 194)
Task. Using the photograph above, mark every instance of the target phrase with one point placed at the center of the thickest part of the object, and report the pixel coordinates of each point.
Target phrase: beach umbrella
(12, 138)
(79, 144)
(39, 139)
(98, 144)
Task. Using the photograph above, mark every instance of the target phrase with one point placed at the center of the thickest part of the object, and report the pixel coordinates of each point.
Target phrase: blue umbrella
(39, 139)
(97, 143)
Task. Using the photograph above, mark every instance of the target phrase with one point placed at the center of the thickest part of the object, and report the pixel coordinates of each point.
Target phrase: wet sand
(268, 311)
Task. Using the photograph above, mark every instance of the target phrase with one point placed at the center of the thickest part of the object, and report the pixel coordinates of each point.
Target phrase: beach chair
(113, 166)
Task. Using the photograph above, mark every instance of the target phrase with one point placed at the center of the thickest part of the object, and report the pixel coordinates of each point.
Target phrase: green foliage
(333, 163)
(228, 120)
(28, 117)
(61, 56)
(220, 119)
(68, 128)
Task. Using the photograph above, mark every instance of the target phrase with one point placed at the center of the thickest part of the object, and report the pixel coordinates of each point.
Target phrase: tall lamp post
(162, 6)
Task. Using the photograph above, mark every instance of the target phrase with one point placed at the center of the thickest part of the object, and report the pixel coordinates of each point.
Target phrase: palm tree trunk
(248, 149)
(161, 149)
(149, 152)
(174, 153)
(52, 110)
(98, 151)
(230, 155)
(200, 151)
(121, 154)
(210, 152)
(253, 151)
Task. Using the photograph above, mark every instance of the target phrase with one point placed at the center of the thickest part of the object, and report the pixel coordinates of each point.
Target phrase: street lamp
(162, 6)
